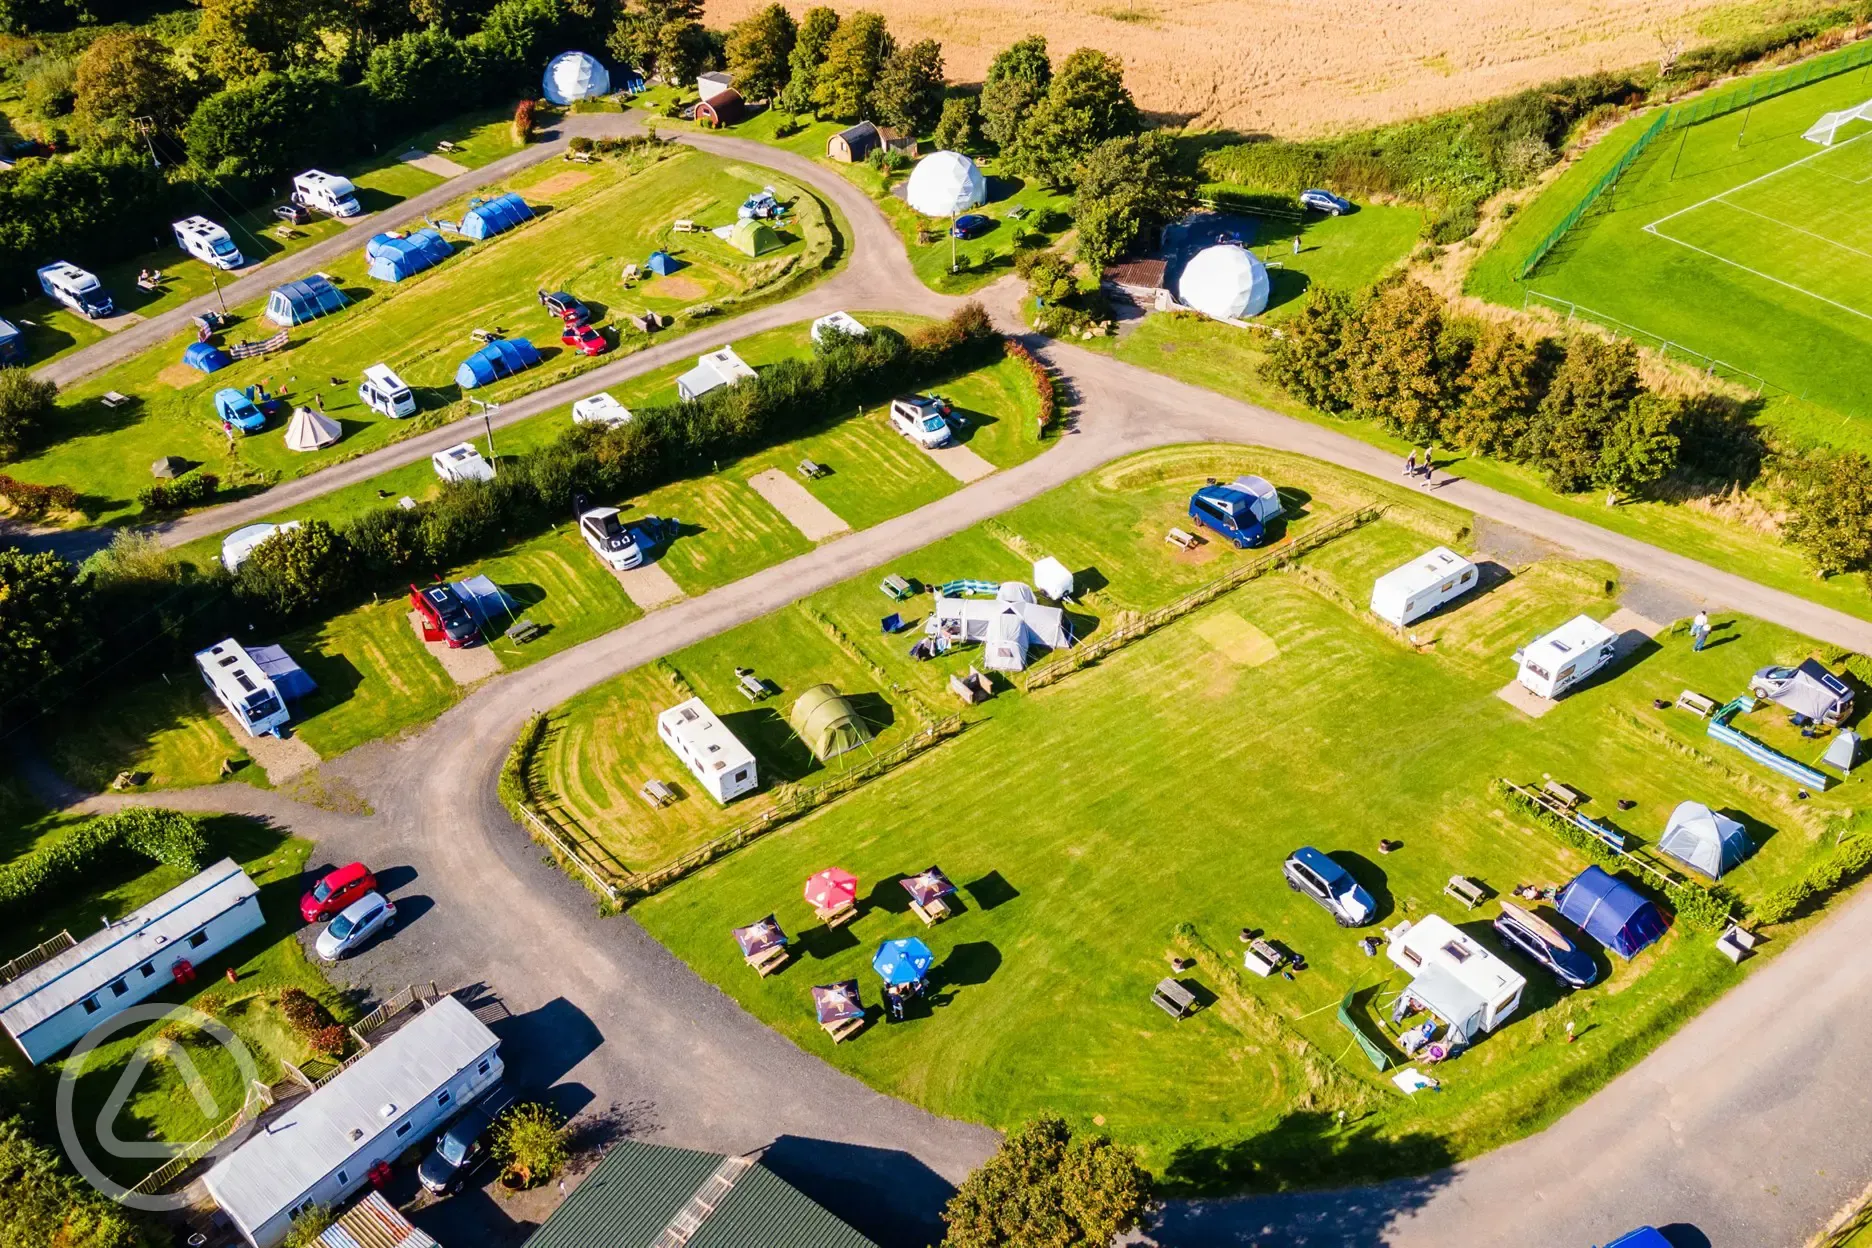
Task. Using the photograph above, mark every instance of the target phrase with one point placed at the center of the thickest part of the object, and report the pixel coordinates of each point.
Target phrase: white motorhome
(207, 242)
(323, 1147)
(1554, 662)
(383, 391)
(248, 692)
(714, 756)
(76, 289)
(1456, 979)
(325, 192)
(1421, 586)
(462, 462)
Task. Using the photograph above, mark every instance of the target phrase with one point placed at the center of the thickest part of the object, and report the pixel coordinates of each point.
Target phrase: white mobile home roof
(1420, 574)
(275, 1168)
(138, 937)
(706, 736)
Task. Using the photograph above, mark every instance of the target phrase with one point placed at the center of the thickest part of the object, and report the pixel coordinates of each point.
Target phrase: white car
(355, 924)
(921, 418)
(621, 545)
(462, 462)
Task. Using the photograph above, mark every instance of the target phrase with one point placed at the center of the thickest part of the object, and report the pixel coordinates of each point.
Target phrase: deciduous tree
(1017, 81)
(269, 124)
(294, 568)
(1498, 392)
(1640, 448)
(855, 56)
(815, 33)
(959, 127)
(126, 74)
(1128, 188)
(1590, 392)
(644, 33)
(909, 93)
(529, 1142)
(423, 74)
(1832, 520)
(1308, 360)
(759, 50)
(42, 630)
(240, 38)
(1396, 370)
(26, 404)
(1049, 275)
(1047, 1188)
(1086, 103)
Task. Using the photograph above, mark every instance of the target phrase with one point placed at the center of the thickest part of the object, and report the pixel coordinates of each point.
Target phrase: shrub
(1849, 860)
(329, 1041)
(165, 836)
(1042, 380)
(36, 502)
(529, 1142)
(523, 121)
(190, 491)
(1452, 225)
(303, 1010)
(579, 143)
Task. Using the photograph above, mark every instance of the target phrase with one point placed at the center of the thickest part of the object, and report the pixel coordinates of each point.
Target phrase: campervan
(325, 192)
(383, 391)
(1553, 663)
(76, 289)
(1421, 586)
(207, 242)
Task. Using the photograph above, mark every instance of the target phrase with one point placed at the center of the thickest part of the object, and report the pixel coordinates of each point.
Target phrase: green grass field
(165, 730)
(1735, 240)
(1163, 786)
(597, 218)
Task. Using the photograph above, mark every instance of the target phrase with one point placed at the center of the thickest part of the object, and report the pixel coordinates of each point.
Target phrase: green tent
(756, 238)
(828, 723)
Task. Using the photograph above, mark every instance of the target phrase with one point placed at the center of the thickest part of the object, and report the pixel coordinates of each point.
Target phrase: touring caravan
(1421, 586)
(325, 192)
(207, 242)
(1554, 662)
(248, 693)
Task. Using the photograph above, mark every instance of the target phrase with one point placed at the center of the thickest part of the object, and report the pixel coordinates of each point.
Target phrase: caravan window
(403, 1129)
(147, 969)
(343, 1178)
(482, 1069)
(442, 1097)
(740, 776)
(119, 988)
(90, 1005)
(302, 1208)
(198, 940)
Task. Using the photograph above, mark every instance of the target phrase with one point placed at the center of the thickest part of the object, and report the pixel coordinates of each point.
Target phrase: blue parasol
(902, 961)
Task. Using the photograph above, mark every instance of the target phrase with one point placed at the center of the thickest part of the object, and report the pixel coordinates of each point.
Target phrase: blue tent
(904, 961)
(205, 356)
(501, 358)
(487, 217)
(1611, 911)
(393, 259)
(12, 343)
(304, 300)
(662, 263)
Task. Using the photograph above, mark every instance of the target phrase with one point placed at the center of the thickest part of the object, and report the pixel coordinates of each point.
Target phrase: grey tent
(1843, 753)
(828, 723)
(287, 676)
(1438, 990)
(1703, 840)
(169, 467)
(489, 602)
(1809, 689)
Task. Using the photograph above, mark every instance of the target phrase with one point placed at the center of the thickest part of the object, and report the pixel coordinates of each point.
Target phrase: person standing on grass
(1296, 244)
(1699, 630)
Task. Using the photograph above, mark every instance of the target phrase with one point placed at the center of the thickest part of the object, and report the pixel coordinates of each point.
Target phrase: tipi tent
(501, 358)
(573, 76)
(755, 238)
(311, 431)
(827, 722)
(1225, 282)
(1703, 840)
(945, 183)
(393, 259)
(487, 217)
(309, 298)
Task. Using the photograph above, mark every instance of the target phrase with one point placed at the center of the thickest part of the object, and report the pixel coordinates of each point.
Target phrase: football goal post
(1828, 127)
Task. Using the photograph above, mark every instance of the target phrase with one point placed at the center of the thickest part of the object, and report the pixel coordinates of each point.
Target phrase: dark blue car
(1643, 1237)
(969, 224)
(1542, 941)
(1230, 512)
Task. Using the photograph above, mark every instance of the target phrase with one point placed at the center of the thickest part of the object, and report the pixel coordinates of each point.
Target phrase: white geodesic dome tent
(1225, 282)
(575, 76)
(945, 183)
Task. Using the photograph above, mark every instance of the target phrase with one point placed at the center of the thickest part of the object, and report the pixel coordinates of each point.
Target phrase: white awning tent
(944, 184)
(1007, 627)
(311, 430)
(574, 76)
(711, 372)
(1226, 282)
(1704, 840)
(1438, 990)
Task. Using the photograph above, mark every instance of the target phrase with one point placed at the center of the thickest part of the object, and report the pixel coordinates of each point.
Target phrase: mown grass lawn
(165, 730)
(593, 221)
(1163, 786)
(375, 677)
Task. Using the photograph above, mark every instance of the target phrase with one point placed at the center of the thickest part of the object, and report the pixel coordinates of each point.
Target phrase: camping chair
(892, 623)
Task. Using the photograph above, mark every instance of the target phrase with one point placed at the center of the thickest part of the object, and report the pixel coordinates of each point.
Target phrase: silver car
(357, 923)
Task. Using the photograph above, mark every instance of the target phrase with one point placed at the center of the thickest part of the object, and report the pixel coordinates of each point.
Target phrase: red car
(584, 339)
(335, 891)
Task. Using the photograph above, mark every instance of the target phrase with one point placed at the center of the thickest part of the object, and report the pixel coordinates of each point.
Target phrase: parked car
(1809, 689)
(622, 545)
(336, 890)
(1230, 511)
(970, 224)
(566, 306)
(355, 924)
(232, 407)
(1531, 935)
(1326, 202)
(446, 613)
(1313, 874)
(293, 214)
(462, 1148)
(583, 338)
(922, 418)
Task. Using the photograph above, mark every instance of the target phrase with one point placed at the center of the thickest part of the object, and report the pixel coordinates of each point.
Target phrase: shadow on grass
(990, 892)
(1305, 1148)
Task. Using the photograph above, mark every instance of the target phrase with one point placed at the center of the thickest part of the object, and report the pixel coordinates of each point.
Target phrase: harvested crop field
(1292, 68)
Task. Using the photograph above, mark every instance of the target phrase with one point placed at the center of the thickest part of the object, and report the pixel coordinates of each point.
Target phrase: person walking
(1429, 469)
(1699, 630)
(1410, 463)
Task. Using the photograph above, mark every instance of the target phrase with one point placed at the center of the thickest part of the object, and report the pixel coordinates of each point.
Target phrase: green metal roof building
(642, 1195)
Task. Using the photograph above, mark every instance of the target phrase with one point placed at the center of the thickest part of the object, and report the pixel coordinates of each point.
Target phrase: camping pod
(1611, 911)
(1225, 282)
(945, 183)
(574, 76)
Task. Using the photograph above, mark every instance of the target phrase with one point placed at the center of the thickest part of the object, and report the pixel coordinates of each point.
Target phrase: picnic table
(1181, 540)
(972, 688)
(768, 960)
(811, 470)
(752, 687)
(935, 912)
(1696, 702)
(523, 631)
(657, 793)
(1465, 890)
(1174, 999)
(1566, 795)
(113, 399)
(839, 915)
(841, 1028)
(896, 588)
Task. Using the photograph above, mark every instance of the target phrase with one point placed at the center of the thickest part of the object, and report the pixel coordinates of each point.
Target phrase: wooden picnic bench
(768, 960)
(1262, 958)
(811, 470)
(840, 1029)
(1702, 706)
(113, 399)
(657, 793)
(752, 687)
(1174, 999)
(1566, 795)
(1181, 540)
(932, 914)
(684, 226)
(839, 915)
(523, 631)
(443, 145)
(581, 158)
(1465, 890)
(896, 588)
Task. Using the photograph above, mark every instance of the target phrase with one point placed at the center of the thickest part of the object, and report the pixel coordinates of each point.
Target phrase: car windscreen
(322, 889)
(341, 926)
(932, 422)
(223, 247)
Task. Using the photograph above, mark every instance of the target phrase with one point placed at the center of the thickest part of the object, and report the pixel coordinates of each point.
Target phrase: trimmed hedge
(168, 837)
(1043, 382)
(190, 491)
(35, 502)
(1848, 861)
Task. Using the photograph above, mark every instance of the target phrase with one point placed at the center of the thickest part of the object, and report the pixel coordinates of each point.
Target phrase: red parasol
(832, 888)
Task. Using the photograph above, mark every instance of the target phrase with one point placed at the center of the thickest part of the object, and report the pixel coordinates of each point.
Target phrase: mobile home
(1455, 978)
(713, 755)
(1554, 662)
(1421, 586)
(52, 1006)
(207, 242)
(248, 692)
(322, 1149)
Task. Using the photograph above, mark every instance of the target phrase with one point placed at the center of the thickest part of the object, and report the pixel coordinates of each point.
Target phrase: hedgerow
(168, 837)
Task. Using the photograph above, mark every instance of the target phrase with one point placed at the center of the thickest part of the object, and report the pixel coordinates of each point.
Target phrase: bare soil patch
(559, 182)
(179, 376)
(811, 517)
(675, 288)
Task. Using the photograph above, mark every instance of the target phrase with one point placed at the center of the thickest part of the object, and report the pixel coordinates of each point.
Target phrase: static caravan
(52, 1006)
(384, 392)
(207, 242)
(1455, 978)
(247, 692)
(76, 289)
(1553, 663)
(713, 755)
(829, 328)
(461, 462)
(1421, 586)
(322, 1149)
(325, 192)
(600, 409)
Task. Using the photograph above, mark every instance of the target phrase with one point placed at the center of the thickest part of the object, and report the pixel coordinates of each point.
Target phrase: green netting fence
(1373, 1050)
(1745, 94)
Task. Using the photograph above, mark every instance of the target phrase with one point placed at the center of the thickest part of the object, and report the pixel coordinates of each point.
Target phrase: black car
(565, 306)
(1540, 940)
(463, 1147)
(292, 214)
